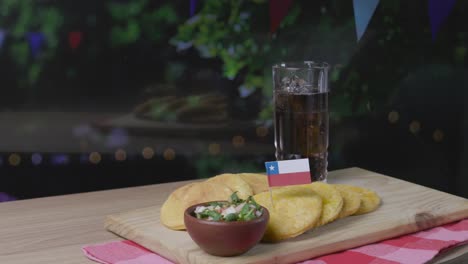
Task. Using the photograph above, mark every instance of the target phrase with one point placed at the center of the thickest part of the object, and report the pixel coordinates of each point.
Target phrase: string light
(262, 131)
(238, 141)
(60, 159)
(147, 152)
(95, 157)
(169, 154)
(36, 158)
(120, 155)
(214, 148)
(393, 117)
(414, 127)
(14, 159)
(438, 135)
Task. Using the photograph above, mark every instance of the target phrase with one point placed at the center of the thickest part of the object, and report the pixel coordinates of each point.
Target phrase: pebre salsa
(236, 209)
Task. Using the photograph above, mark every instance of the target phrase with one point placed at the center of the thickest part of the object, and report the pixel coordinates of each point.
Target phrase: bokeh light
(393, 117)
(262, 131)
(148, 152)
(36, 159)
(238, 141)
(438, 135)
(14, 159)
(169, 154)
(60, 159)
(214, 148)
(414, 127)
(120, 155)
(95, 157)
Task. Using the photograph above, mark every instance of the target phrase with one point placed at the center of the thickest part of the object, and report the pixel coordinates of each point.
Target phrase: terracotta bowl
(225, 238)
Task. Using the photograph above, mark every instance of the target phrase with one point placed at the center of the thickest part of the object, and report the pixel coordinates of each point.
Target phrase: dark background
(397, 103)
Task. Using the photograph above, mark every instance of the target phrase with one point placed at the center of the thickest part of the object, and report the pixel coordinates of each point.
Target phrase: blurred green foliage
(131, 21)
(221, 29)
(22, 17)
(135, 20)
(237, 33)
(365, 76)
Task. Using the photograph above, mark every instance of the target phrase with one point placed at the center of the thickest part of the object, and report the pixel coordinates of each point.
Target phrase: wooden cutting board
(405, 208)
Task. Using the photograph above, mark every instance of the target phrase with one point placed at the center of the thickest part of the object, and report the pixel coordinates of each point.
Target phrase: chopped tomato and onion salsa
(235, 209)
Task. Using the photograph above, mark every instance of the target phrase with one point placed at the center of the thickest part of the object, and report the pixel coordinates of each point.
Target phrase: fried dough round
(351, 201)
(369, 199)
(172, 211)
(235, 183)
(258, 182)
(295, 210)
(332, 201)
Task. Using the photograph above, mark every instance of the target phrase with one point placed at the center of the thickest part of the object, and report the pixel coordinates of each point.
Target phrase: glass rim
(300, 65)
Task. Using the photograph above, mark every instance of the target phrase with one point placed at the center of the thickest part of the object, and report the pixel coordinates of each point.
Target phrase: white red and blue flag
(288, 172)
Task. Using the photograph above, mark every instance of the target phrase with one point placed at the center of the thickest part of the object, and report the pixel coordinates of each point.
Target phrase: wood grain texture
(405, 208)
(52, 230)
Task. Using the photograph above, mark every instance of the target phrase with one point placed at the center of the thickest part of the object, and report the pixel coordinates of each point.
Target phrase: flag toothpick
(287, 172)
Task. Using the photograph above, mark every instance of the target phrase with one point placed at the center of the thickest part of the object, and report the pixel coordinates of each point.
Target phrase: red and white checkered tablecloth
(414, 248)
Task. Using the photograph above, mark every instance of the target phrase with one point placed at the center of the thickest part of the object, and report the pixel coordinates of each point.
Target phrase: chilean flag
(288, 172)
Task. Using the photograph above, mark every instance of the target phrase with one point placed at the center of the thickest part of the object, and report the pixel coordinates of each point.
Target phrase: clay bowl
(225, 239)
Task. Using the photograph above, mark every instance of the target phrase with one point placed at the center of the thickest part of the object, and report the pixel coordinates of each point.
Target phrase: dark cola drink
(301, 129)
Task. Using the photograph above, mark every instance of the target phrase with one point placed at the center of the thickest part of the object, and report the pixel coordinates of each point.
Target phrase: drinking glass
(301, 114)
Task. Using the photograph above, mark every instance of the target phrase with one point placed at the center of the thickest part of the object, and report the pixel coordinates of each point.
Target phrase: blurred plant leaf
(125, 35)
(156, 23)
(460, 54)
(125, 11)
(34, 72)
(7, 5)
(26, 16)
(23, 22)
(52, 20)
(20, 52)
(291, 17)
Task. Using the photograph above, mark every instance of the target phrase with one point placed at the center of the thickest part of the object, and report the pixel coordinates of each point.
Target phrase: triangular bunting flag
(74, 39)
(278, 10)
(193, 5)
(363, 11)
(36, 40)
(438, 12)
(2, 37)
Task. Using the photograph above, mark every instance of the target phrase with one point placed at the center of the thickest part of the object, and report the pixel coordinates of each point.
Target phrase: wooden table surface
(53, 229)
